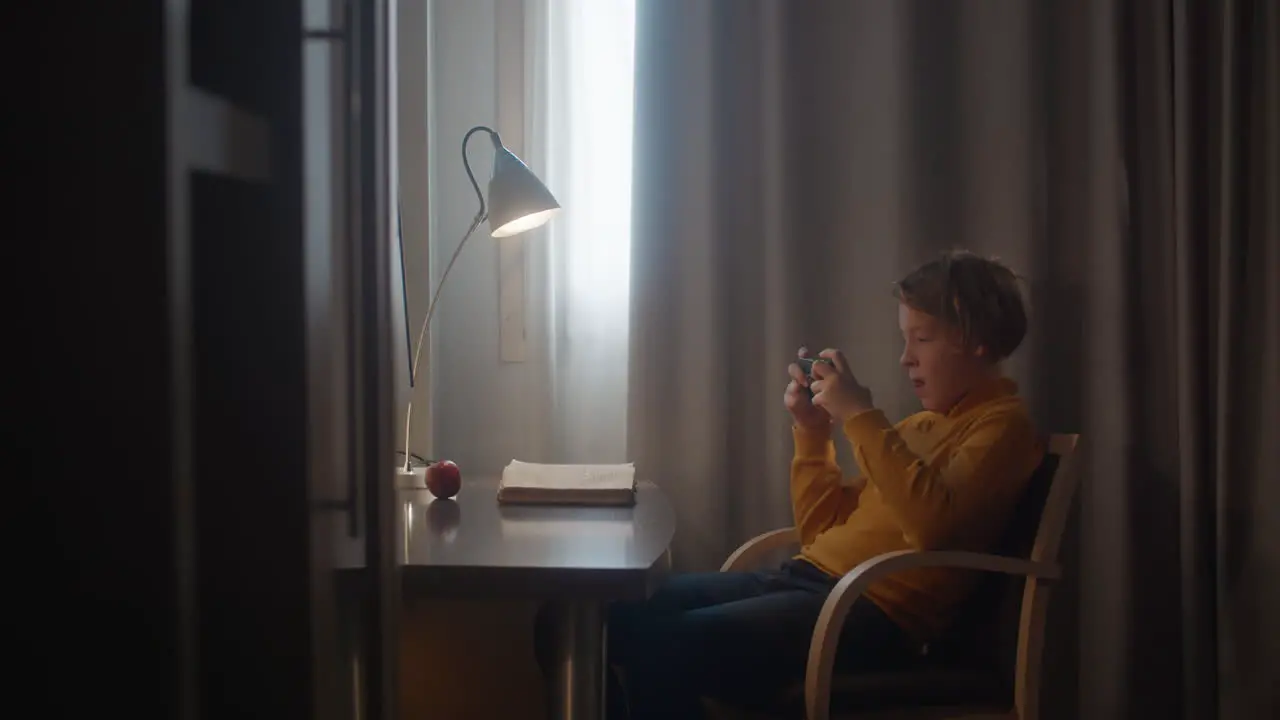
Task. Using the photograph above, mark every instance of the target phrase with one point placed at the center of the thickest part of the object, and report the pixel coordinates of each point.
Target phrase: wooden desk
(578, 558)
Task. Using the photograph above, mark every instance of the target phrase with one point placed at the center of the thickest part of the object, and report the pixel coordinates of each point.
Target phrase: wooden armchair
(989, 665)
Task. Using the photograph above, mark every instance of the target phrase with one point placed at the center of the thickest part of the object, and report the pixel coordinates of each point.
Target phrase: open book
(568, 484)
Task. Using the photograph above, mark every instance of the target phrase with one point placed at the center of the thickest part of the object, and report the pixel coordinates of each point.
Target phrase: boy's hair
(979, 296)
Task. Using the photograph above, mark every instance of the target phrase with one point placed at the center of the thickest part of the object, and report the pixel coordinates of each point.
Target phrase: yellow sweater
(934, 482)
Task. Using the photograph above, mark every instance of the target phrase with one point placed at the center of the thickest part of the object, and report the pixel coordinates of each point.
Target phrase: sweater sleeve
(977, 478)
(818, 499)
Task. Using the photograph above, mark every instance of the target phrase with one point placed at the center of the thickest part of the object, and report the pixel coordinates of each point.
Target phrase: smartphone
(806, 364)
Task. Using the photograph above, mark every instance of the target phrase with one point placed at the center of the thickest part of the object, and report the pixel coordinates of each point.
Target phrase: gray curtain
(793, 158)
(1181, 542)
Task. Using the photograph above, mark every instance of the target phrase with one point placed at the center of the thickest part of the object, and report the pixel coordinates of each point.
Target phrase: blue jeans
(735, 635)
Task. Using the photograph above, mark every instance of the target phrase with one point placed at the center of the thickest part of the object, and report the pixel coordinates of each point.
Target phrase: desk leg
(577, 673)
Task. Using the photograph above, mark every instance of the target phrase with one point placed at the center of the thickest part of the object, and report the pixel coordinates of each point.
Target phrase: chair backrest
(1001, 625)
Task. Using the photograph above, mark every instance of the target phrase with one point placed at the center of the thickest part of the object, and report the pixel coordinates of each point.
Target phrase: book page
(568, 477)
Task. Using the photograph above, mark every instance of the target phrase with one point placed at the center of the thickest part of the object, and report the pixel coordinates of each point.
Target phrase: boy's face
(940, 368)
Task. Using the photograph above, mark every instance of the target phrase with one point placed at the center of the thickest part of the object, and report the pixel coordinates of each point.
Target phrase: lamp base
(414, 479)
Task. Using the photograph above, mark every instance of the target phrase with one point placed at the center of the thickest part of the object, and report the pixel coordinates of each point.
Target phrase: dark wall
(101, 541)
(154, 586)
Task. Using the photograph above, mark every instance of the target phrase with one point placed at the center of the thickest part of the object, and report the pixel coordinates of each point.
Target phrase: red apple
(444, 479)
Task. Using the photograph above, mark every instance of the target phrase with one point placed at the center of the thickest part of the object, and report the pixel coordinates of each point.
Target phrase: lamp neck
(466, 162)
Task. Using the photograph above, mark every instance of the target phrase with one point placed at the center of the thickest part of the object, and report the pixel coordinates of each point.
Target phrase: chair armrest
(749, 554)
(826, 634)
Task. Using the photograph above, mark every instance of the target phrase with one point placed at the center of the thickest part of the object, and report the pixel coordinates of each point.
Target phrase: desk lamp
(518, 201)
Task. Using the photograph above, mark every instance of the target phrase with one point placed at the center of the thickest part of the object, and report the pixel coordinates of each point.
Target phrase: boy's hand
(836, 390)
(800, 404)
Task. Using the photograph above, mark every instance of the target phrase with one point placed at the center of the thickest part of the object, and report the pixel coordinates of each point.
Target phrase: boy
(947, 477)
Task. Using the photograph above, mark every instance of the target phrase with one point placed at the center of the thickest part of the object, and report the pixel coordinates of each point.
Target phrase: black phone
(806, 364)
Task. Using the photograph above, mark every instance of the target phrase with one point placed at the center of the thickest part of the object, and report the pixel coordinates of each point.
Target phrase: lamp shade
(518, 201)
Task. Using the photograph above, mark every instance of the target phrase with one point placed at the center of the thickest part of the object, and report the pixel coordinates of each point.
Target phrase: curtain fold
(578, 121)
(793, 159)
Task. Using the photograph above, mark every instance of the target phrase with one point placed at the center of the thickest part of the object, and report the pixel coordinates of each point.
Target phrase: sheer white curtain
(578, 110)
